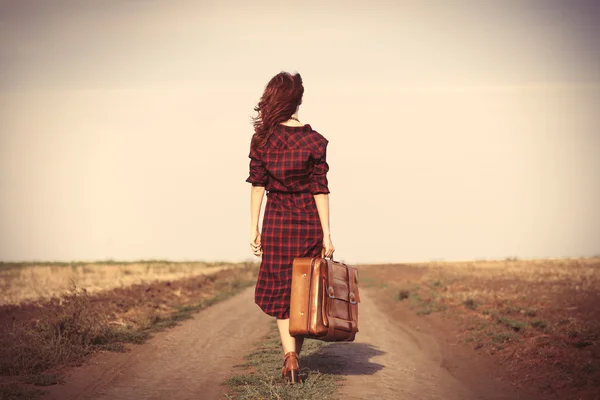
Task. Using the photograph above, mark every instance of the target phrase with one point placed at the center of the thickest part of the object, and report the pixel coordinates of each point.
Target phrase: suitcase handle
(323, 255)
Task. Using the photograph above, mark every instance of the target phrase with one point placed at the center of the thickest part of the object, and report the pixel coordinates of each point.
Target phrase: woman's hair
(281, 98)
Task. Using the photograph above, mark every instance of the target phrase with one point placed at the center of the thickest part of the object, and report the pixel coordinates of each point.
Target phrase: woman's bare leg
(288, 342)
(299, 342)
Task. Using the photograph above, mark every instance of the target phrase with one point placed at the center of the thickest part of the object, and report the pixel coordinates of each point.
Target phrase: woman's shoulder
(317, 141)
(311, 137)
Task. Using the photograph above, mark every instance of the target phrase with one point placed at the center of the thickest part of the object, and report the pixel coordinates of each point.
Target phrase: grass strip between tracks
(261, 374)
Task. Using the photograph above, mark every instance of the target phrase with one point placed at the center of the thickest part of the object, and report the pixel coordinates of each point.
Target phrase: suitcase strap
(354, 297)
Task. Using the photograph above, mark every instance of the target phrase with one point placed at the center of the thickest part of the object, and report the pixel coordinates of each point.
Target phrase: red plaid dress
(292, 167)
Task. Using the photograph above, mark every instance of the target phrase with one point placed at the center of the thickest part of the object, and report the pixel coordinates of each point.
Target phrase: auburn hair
(281, 98)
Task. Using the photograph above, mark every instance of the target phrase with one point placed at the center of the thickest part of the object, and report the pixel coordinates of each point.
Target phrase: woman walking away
(287, 159)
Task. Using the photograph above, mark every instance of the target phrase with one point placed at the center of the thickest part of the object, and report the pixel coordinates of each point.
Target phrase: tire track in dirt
(388, 360)
(189, 361)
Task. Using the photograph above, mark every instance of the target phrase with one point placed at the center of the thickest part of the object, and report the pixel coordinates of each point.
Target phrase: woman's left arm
(256, 197)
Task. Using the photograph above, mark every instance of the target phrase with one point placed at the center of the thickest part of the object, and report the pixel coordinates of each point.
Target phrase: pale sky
(457, 129)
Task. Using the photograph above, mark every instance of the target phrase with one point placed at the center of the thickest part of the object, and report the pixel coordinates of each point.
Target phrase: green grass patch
(430, 309)
(436, 284)
(402, 294)
(43, 380)
(514, 324)
(491, 313)
(261, 376)
(530, 313)
(120, 335)
(503, 337)
(425, 306)
(470, 303)
(539, 324)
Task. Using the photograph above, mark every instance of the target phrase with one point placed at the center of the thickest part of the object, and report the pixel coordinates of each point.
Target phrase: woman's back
(293, 160)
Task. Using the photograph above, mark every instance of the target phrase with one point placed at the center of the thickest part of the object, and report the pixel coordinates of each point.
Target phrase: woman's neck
(293, 121)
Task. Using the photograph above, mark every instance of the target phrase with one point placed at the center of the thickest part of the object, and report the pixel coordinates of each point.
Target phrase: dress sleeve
(258, 173)
(318, 177)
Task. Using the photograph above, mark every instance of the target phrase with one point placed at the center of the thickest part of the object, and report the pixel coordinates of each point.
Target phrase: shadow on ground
(344, 359)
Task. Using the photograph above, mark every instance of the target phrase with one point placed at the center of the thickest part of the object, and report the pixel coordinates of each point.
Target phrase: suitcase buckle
(352, 298)
(330, 292)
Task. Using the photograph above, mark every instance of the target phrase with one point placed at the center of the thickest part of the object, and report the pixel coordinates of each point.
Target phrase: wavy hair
(281, 98)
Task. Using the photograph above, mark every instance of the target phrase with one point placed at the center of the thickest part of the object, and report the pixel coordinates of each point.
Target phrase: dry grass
(36, 338)
(21, 282)
(59, 336)
(539, 318)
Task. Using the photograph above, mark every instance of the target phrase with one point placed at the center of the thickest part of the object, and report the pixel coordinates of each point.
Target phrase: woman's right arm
(322, 202)
(256, 197)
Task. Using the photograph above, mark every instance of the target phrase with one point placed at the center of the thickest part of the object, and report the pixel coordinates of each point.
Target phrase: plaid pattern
(293, 167)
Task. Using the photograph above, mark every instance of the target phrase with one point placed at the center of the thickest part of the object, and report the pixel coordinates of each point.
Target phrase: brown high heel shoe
(291, 368)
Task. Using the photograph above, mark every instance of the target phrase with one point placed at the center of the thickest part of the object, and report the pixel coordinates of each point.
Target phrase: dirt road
(387, 361)
(187, 362)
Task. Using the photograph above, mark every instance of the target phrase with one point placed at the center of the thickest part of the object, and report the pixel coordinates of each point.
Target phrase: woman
(287, 159)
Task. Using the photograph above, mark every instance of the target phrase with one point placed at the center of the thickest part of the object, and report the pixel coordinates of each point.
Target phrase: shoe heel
(293, 376)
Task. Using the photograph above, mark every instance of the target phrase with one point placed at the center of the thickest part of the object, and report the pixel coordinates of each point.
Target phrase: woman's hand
(255, 243)
(328, 248)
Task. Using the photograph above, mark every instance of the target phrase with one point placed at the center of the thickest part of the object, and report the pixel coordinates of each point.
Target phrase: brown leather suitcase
(324, 300)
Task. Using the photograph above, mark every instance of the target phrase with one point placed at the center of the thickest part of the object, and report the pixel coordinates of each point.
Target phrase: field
(57, 315)
(537, 323)
(21, 282)
(531, 324)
